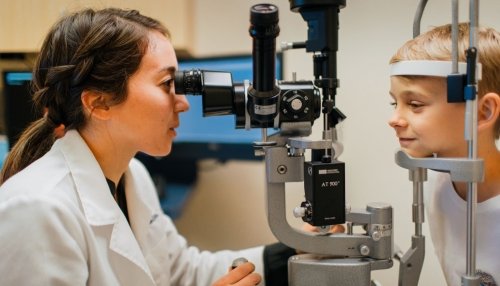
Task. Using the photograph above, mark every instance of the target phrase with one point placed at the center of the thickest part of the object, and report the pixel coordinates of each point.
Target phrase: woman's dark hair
(94, 50)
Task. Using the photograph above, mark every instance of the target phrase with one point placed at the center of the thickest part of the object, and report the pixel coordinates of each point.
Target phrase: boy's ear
(488, 110)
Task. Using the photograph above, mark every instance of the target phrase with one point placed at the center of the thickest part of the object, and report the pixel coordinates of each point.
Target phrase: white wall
(227, 209)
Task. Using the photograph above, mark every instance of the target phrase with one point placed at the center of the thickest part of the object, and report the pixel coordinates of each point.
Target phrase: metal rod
(418, 17)
(326, 125)
(418, 176)
(454, 36)
(471, 229)
(263, 133)
(471, 110)
(418, 198)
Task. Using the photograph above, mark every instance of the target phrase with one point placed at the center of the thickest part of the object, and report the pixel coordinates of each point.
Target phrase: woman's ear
(488, 110)
(94, 103)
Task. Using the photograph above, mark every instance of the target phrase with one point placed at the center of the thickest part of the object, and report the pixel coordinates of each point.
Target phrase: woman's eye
(168, 83)
(393, 104)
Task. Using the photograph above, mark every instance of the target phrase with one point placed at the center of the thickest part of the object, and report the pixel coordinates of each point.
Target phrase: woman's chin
(161, 152)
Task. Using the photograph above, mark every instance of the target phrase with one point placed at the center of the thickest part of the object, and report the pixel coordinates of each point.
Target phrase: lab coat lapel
(148, 225)
(141, 214)
(123, 242)
(99, 206)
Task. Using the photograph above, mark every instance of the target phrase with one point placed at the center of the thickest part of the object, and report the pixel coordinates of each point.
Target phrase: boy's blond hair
(436, 45)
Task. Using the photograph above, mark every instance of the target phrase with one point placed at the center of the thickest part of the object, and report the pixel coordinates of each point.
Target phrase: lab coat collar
(145, 210)
(98, 204)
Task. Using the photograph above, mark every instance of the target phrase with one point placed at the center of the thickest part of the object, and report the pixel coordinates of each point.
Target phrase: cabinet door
(24, 23)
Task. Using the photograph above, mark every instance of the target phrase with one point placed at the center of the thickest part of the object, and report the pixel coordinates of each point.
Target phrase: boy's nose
(397, 121)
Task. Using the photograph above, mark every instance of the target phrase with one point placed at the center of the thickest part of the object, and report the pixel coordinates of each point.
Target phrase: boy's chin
(417, 153)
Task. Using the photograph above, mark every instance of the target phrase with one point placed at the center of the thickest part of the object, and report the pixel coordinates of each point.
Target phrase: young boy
(427, 125)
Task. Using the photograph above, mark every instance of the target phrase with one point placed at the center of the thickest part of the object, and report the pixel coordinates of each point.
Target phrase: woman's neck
(110, 155)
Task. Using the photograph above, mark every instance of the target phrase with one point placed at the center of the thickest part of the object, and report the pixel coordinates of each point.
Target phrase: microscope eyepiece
(188, 82)
(264, 15)
(216, 88)
(263, 95)
(264, 29)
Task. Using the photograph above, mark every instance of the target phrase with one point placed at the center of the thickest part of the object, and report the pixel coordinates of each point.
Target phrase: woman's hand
(242, 275)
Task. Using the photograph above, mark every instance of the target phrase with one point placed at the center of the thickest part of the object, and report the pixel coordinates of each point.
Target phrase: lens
(264, 15)
(188, 82)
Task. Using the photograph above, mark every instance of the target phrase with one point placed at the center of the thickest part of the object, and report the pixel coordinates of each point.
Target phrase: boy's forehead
(424, 85)
(420, 79)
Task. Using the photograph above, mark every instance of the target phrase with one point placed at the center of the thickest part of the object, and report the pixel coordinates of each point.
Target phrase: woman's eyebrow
(167, 70)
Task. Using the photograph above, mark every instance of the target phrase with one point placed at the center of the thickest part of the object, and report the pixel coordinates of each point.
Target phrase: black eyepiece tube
(189, 82)
(263, 94)
(215, 87)
(264, 29)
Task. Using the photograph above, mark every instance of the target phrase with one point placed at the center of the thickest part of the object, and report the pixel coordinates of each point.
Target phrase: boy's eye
(415, 104)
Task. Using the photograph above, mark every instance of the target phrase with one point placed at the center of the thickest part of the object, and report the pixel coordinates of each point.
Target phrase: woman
(79, 209)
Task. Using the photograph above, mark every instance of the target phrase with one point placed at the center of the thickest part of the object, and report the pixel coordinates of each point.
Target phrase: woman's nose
(182, 104)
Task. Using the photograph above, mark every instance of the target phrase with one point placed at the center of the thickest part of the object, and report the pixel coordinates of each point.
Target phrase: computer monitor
(18, 105)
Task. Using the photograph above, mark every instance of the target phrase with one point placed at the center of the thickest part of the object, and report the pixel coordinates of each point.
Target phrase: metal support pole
(471, 278)
(418, 176)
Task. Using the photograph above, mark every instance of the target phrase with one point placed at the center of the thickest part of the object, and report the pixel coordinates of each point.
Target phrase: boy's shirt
(447, 218)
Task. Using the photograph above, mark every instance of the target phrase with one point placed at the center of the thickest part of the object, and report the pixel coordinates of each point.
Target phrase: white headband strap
(429, 68)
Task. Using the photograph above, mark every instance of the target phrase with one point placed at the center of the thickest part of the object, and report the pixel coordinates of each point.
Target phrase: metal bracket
(460, 169)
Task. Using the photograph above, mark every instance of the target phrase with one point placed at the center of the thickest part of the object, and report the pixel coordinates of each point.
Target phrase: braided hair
(95, 50)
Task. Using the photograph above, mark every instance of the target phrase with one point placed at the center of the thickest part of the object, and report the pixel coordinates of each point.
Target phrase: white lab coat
(60, 225)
